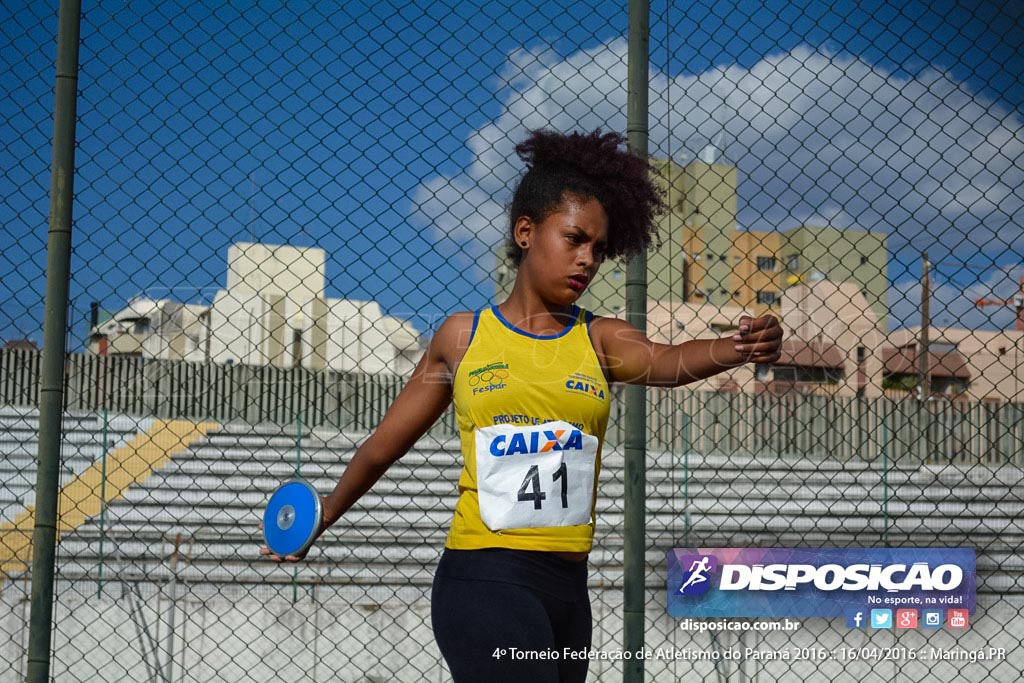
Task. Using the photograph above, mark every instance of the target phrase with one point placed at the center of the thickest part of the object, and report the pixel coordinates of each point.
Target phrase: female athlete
(529, 379)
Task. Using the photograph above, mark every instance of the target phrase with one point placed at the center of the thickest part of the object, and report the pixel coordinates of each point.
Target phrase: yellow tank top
(531, 412)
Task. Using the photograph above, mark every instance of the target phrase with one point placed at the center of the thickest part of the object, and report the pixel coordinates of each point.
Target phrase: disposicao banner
(817, 582)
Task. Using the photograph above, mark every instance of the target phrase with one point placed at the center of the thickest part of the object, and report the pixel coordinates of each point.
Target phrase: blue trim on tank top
(575, 316)
(604, 371)
(472, 333)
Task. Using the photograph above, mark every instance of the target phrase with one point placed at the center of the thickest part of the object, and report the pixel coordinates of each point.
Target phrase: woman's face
(565, 250)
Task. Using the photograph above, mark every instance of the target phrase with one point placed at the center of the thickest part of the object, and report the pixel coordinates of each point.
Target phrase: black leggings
(490, 601)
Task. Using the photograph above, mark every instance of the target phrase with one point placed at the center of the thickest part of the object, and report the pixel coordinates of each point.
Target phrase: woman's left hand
(759, 339)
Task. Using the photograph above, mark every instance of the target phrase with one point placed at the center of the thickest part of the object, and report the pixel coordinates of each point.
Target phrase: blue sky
(384, 136)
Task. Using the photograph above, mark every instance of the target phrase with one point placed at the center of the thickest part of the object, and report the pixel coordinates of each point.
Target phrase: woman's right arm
(415, 409)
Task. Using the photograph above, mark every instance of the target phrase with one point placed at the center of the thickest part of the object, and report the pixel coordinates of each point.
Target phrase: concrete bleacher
(81, 446)
(213, 493)
(205, 504)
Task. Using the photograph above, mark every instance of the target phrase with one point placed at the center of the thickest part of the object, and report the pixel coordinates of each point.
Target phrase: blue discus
(292, 518)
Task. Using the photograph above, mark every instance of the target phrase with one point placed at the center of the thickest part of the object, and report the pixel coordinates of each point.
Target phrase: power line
(950, 262)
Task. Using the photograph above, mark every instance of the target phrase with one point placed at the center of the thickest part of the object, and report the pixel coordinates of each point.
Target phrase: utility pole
(924, 386)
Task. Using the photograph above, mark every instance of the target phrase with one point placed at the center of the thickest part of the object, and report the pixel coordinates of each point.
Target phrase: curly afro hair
(586, 166)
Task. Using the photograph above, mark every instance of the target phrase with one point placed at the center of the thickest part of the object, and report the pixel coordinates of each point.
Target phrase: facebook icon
(855, 619)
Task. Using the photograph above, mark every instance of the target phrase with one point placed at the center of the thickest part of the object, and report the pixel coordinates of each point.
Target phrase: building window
(736, 294)
(863, 260)
(696, 257)
(793, 262)
(861, 351)
(617, 274)
(711, 257)
(724, 258)
(736, 259)
(766, 263)
(767, 297)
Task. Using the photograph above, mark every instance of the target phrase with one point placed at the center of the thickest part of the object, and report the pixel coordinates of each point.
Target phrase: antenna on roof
(716, 145)
(251, 203)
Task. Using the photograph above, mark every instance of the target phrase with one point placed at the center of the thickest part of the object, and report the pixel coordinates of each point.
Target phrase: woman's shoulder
(456, 324)
(453, 336)
(603, 328)
(602, 324)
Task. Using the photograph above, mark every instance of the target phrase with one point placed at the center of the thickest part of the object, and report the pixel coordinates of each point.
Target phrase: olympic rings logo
(491, 377)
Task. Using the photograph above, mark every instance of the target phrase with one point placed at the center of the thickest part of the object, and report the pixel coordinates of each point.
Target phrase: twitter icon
(881, 618)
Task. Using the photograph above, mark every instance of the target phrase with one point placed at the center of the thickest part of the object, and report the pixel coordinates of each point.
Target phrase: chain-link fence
(277, 204)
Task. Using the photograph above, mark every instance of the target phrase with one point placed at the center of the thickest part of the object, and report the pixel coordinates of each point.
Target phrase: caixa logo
(584, 388)
(696, 573)
(537, 441)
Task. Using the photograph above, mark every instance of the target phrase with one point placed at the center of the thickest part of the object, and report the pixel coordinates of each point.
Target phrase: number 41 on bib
(535, 476)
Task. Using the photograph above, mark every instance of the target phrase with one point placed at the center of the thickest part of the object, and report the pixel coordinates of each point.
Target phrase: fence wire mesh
(276, 205)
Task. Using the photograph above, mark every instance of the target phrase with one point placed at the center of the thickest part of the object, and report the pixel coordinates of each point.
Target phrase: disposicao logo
(536, 441)
(818, 582)
(830, 577)
(696, 580)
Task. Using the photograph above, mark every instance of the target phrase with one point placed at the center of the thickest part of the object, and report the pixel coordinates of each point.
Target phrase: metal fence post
(103, 504)
(51, 389)
(635, 443)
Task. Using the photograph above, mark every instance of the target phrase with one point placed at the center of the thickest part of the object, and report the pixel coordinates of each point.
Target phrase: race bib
(535, 476)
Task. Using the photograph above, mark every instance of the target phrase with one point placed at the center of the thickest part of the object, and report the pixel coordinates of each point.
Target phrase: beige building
(677, 322)
(263, 317)
(832, 346)
(355, 336)
(833, 342)
(756, 266)
(978, 365)
(161, 328)
(273, 312)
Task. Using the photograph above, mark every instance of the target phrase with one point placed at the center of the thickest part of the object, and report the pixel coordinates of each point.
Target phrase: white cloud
(464, 217)
(816, 136)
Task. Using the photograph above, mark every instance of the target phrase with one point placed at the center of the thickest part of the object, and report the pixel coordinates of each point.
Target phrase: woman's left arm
(632, 358)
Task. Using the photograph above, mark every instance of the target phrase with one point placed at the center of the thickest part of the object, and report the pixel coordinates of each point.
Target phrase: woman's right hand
(273, 557)
(267, 552)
